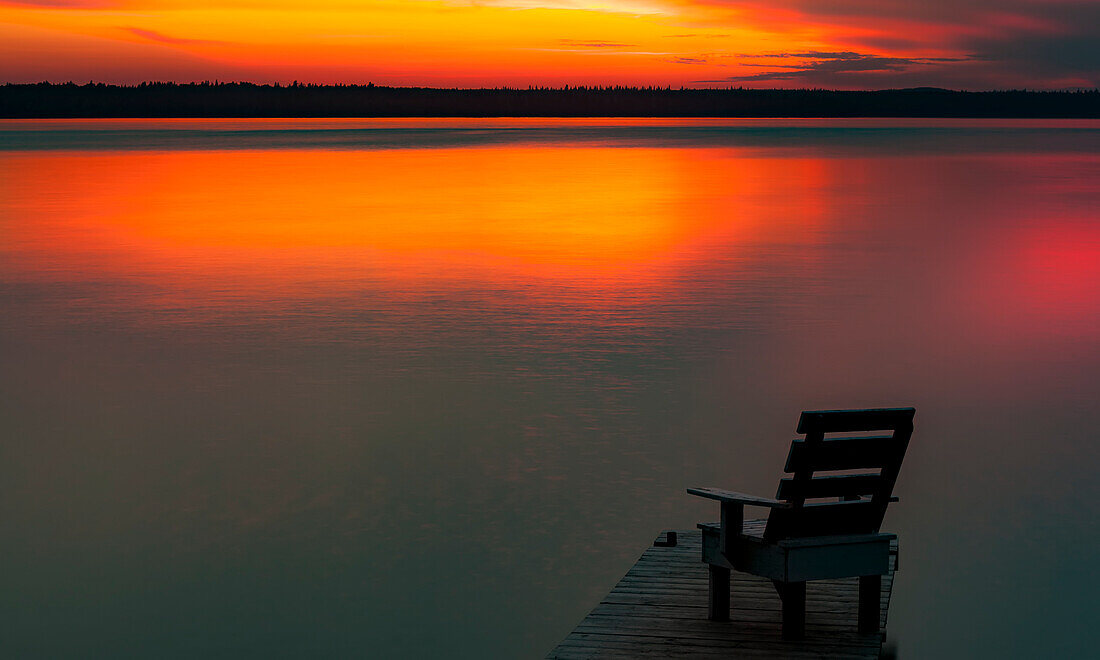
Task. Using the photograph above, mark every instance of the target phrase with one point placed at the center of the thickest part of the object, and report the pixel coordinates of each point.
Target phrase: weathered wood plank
(830, 486)
(737, 498)
(766, 629)
(761, 598)
(845, 453)
(659, 609)
(851, 421)
(697, 613)
(667, 647)
(691, 628)
(743, 609)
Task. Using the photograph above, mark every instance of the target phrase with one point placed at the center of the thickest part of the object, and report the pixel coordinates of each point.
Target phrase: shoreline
(248, 100)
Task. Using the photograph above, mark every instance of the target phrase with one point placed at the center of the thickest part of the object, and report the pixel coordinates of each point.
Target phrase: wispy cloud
(812, 54)
(824, 63)
(687, 60)
(609, 48)
(635, 7)
(65, 4)
(577, 43)
(152, 35)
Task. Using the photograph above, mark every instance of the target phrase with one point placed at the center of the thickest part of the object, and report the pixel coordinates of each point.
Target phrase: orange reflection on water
(223, 220)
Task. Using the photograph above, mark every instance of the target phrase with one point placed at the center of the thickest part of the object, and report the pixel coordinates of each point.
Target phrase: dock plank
(659, 609)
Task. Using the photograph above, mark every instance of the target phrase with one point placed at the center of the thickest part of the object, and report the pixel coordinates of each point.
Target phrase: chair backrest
(864, 469)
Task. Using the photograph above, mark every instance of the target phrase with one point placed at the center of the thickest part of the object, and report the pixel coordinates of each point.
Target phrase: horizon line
(534, 87)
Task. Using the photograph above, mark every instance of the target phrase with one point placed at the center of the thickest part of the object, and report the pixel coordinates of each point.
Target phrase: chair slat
(838, 486)
(845, 453)
(851, 421)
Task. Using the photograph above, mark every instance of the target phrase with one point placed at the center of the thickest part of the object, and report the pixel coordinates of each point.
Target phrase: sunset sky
(847, 44)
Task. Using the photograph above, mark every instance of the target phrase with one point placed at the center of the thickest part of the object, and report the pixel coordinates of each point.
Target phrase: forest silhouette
(242, 99)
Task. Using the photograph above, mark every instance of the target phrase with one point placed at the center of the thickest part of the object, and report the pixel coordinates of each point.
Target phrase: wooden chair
(805, 538)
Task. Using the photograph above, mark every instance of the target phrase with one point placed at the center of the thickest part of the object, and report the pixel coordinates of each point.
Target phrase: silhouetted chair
(805, 538)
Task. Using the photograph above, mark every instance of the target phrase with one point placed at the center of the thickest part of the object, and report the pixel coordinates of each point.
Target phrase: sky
(842, 44)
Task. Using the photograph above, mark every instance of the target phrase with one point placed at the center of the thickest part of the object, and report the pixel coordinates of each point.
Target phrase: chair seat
(798, 559)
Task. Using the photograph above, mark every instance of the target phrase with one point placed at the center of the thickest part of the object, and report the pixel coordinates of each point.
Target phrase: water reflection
(436, 399)
(404, 215)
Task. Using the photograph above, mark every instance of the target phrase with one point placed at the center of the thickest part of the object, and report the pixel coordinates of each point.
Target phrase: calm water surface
(410, 388)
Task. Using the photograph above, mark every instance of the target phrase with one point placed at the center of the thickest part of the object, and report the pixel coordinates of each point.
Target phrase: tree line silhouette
(242, 99)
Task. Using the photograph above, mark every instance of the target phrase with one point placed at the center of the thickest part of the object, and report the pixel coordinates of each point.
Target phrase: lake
(419, 388)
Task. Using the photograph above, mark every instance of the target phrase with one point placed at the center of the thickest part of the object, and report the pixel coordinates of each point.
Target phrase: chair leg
(793, 595)
(870, 590)
(718, 608)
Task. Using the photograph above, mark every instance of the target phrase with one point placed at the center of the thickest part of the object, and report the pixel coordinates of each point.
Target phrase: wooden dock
(659, 609)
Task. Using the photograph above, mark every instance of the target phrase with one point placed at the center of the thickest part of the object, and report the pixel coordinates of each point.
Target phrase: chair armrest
(730, 497)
